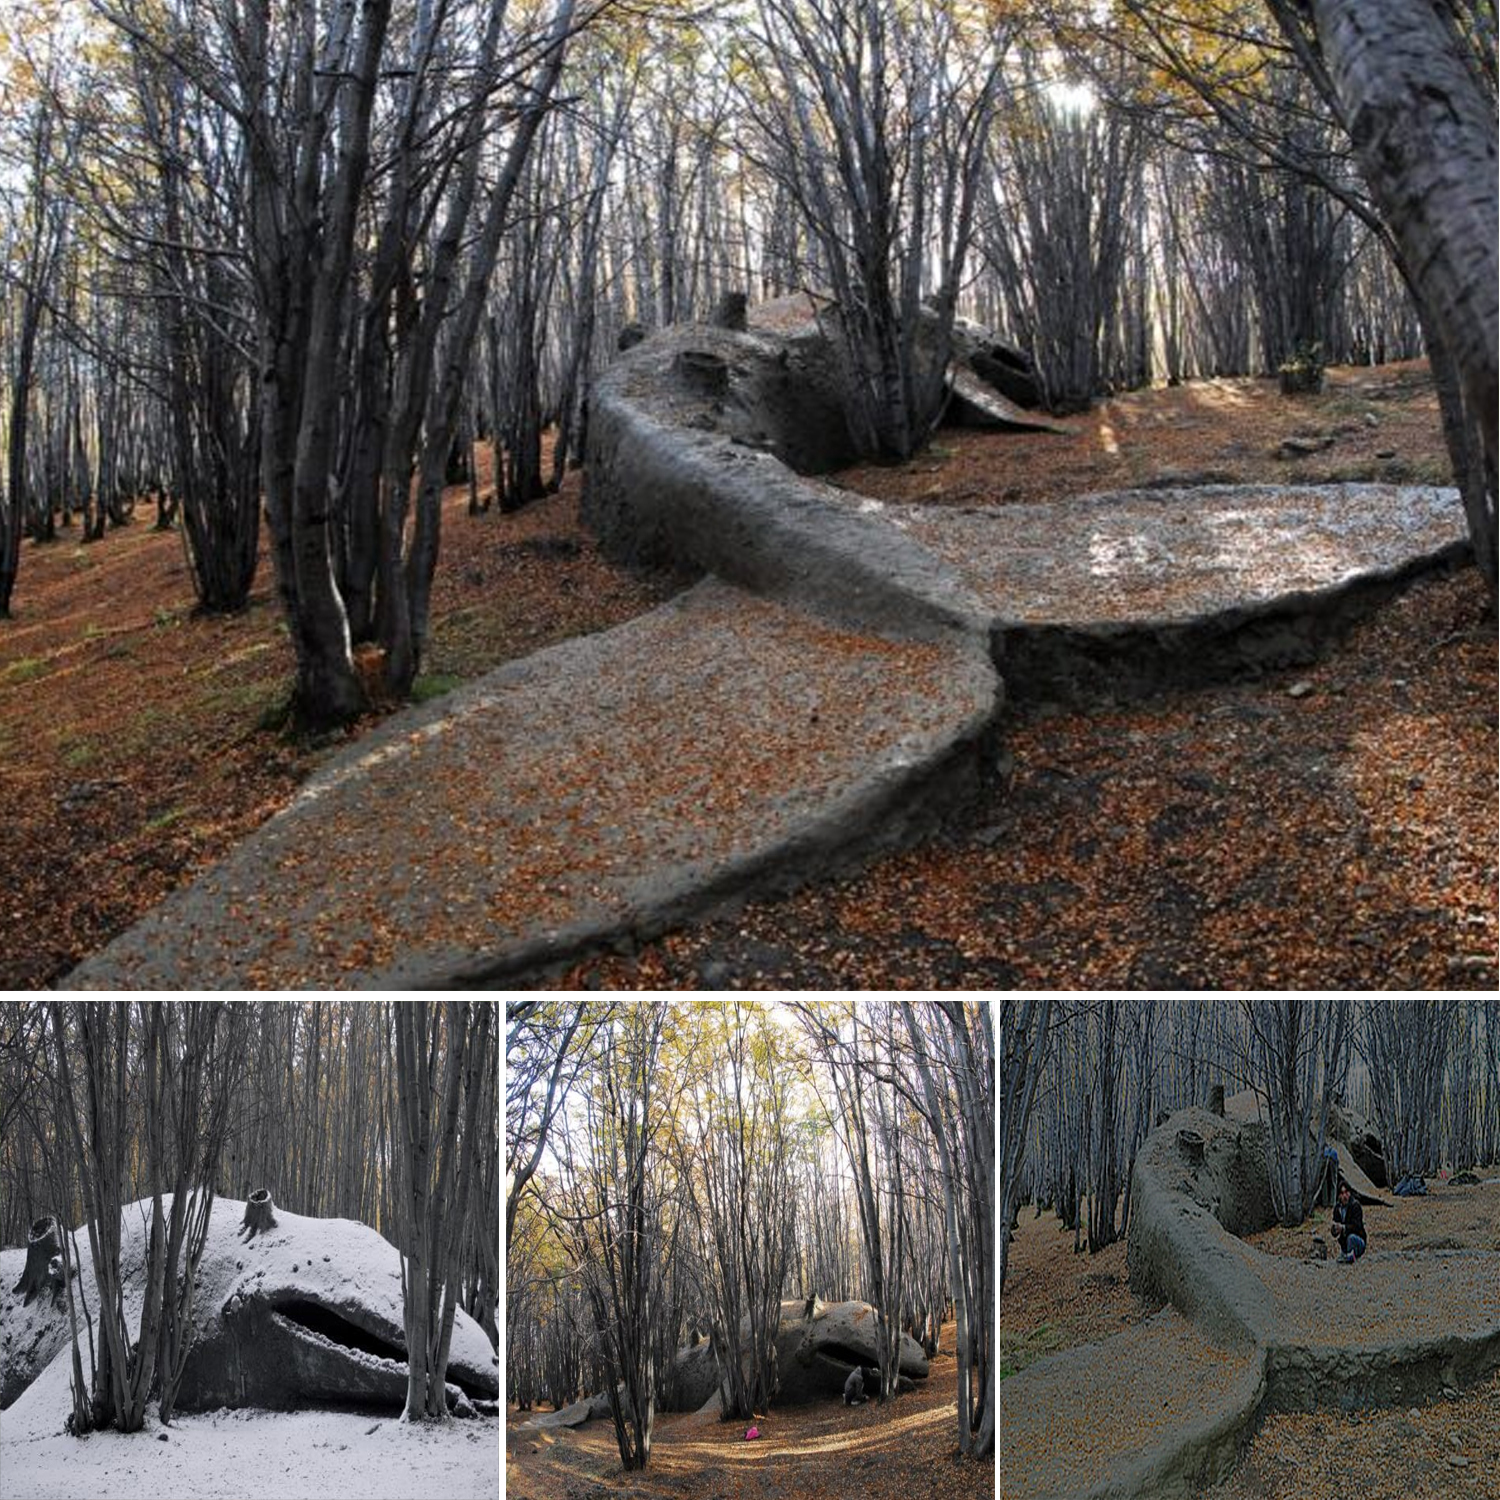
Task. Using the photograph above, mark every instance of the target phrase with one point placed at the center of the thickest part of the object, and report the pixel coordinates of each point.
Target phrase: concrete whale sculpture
(302, 1312)
(814, 1357)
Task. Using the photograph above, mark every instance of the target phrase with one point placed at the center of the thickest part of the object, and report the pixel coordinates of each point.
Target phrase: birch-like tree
(955, 1057)
(1296, 1056)
(437, 1165)
(741, 1191)
(1408, 1048)
(1022, 1054)
(616, 1178)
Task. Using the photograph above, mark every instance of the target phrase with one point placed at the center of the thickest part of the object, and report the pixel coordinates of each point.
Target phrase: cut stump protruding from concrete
(1190, 1143)
(42, 1244)
(260, 1213)
(731, 312)
(702, 371)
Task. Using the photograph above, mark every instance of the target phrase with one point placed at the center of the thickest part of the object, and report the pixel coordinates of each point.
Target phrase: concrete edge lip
(884, 799)
(698, 499)
(885, 803)
(1203, 1453)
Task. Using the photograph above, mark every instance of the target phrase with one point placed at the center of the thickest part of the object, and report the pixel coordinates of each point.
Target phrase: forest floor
(1320, 827)
(1380, 424)
(274, 1455)
(1400, 1454)
(140, 740)
(906, 1449)
(1056, 1300)
(1447, 1218)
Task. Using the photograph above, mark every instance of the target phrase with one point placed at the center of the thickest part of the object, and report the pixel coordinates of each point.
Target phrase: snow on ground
(301, 1455)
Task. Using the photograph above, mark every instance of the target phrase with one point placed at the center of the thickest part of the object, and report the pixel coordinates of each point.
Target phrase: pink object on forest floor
(753, 1432)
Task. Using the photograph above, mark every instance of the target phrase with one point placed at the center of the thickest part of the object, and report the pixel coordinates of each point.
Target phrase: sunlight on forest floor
(1378, 423)
(904, 1449)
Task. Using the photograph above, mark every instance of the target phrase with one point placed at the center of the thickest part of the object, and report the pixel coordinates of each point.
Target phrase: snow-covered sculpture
(301, 1312)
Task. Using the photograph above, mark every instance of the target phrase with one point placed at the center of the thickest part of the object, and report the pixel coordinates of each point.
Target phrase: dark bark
(260, 1213)
(42, 1244)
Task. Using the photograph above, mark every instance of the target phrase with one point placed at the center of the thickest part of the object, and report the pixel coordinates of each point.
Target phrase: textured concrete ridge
(1402, 1318)
(713, 479)
(1157, 1410)
(597, 792)
(1124, 593)
(1244, 1333)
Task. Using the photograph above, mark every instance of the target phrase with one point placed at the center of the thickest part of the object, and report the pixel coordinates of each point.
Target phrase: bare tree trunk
(940, 1120)
(1023, 1050)
(1423, 129)
(614, 1218)
(433, 1202)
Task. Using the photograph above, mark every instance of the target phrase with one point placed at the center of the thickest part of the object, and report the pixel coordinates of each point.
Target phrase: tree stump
(42, 1244)
(1216, 1100)
(1191, 1144)
(630, 335)
(260, 1213)
(731, 312)
(702, 372)
(1301, 379)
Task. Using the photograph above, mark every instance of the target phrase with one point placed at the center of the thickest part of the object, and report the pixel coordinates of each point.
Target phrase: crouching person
(854, 1388)
(1349, 1226)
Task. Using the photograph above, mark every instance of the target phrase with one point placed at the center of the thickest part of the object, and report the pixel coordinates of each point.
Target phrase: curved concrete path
(610, 786)
(827, 690)
(1155, 1410)
(1245, 1333)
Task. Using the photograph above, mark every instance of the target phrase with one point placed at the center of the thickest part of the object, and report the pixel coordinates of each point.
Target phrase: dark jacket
(1353, 1219)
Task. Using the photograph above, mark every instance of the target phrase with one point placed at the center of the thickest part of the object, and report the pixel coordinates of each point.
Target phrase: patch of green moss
(433, 685)
(76, 754)
(24, 670)
(167, 819)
